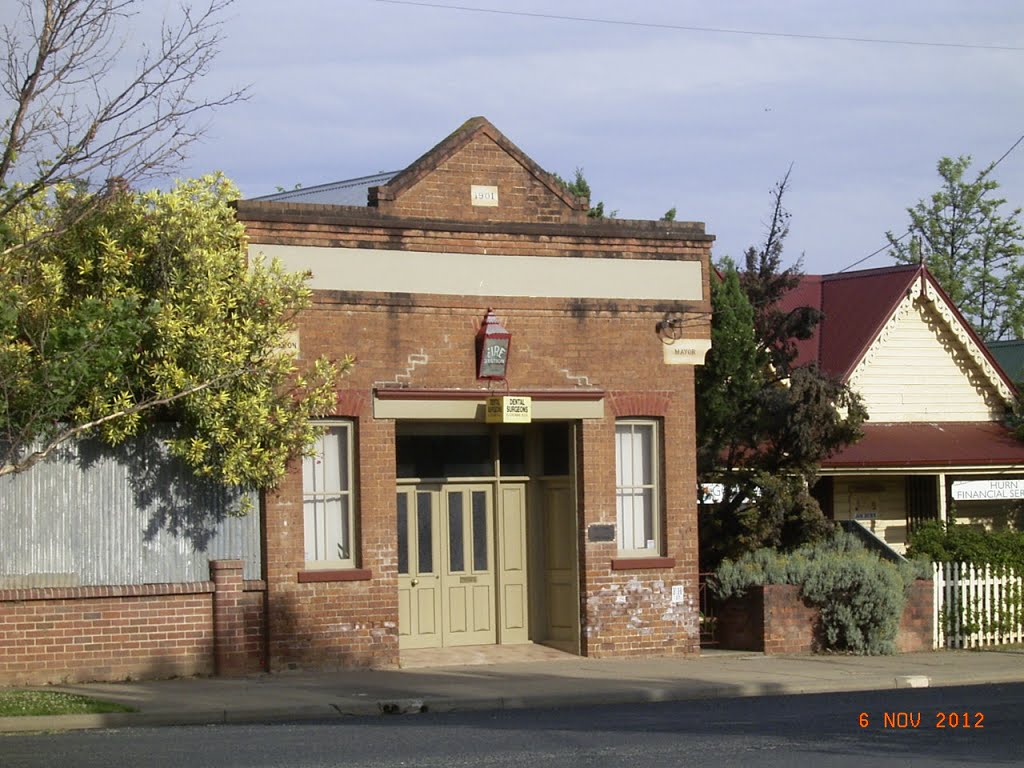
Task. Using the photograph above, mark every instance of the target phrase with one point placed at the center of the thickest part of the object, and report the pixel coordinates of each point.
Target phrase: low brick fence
(147, 631)
(774, 619)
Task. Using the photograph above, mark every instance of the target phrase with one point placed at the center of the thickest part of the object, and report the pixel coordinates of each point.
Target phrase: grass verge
(27, 703)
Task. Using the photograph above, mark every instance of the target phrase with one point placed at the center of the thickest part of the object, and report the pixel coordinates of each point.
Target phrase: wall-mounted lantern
(492, 342)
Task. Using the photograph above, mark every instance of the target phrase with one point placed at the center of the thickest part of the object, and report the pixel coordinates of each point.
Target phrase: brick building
(566, 514)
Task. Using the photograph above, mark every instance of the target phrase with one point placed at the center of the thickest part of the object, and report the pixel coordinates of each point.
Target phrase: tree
(79, 111)
(147, 309)
(734, 373)
(581, 188)
(120, 308)
(975, 252)
(764, 424)
(765, 282)
(762, 437)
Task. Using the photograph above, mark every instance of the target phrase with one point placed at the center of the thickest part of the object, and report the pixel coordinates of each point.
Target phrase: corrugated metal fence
(94, 515)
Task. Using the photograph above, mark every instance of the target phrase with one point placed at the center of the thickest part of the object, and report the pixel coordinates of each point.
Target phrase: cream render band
(474, 410)
(472, 274)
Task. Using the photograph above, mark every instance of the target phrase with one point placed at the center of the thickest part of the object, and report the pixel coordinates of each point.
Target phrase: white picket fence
(976, 606)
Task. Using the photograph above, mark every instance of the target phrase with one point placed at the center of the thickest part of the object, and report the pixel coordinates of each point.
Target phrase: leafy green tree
(762, 440)
(733, 376)
(975, 251)
(581, 188)
(764, 424)
(147, 308)
(120, 308)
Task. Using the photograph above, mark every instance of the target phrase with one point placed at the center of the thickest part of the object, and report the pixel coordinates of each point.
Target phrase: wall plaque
(686, 351)
(483, 196)
(601, 532)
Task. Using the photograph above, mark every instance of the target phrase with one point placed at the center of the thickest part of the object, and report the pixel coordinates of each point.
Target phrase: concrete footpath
(568, 682)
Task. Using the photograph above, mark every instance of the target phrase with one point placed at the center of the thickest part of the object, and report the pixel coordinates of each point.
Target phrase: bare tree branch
(76, 116)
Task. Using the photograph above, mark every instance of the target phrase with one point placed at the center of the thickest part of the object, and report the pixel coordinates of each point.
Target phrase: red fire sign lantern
(492, 342)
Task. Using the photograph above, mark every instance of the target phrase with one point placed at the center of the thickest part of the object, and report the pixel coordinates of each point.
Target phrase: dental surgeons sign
(988, 490)
(508, 410)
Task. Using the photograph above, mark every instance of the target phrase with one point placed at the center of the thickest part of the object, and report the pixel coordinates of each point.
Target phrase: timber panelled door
(463, 497)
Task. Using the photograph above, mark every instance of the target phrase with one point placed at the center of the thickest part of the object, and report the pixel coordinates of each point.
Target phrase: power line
(875, 253)
(1007, 152)
(889, 245)
(714, 30)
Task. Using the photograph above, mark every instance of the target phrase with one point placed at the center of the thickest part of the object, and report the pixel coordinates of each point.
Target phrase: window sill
(642, 563)
(341, 574)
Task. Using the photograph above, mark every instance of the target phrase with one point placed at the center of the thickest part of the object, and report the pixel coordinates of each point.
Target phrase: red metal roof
(930, 444)
(855, 306)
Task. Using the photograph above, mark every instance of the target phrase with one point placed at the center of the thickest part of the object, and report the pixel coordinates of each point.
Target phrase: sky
(657, 113)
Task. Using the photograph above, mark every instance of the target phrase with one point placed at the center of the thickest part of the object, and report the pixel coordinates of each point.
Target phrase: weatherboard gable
(926, 365)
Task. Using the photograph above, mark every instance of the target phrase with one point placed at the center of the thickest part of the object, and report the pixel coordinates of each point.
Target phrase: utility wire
(982, 175)
(1007, 152)
(714, 30)
(726, 31)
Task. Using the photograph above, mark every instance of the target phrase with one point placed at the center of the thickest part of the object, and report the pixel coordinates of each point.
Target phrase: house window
(637, 492)
(327, 499)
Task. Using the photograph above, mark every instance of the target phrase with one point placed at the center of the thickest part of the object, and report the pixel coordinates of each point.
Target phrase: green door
(467, 574)
(419, 567)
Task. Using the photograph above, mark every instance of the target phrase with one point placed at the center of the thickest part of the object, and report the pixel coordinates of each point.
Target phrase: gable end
(925, 365)
(478, 174)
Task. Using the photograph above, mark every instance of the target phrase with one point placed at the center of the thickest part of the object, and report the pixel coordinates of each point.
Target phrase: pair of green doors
(462, 566)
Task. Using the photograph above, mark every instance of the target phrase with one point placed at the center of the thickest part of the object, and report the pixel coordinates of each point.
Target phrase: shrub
(952, 543)
(859, 595)
(757, 568)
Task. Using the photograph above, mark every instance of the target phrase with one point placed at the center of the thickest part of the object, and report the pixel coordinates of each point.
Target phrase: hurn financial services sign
(985, 490)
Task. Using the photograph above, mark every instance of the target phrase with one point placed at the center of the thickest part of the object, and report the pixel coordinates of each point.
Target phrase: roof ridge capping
(862, 273)
(452, 143)
(296, 194)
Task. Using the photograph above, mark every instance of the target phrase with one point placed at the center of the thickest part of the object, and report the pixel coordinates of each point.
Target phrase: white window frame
(325, 508)
(638, 526)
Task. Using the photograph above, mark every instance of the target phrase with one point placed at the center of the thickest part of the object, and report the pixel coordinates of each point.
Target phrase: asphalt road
(977, 725)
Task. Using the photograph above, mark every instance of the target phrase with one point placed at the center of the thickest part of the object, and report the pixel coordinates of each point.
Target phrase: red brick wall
(739, 622)
(254, 617)
(774, 619)
(445, 191)
(335, 624)
(916, 624)
(626, 612)
(105, 633)
(427, 341)
(238, 628)
(628, 606)
(790, 625)
(78, 634)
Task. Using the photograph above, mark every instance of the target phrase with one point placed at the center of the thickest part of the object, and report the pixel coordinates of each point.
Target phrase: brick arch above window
(351, 403)
(625, 404)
